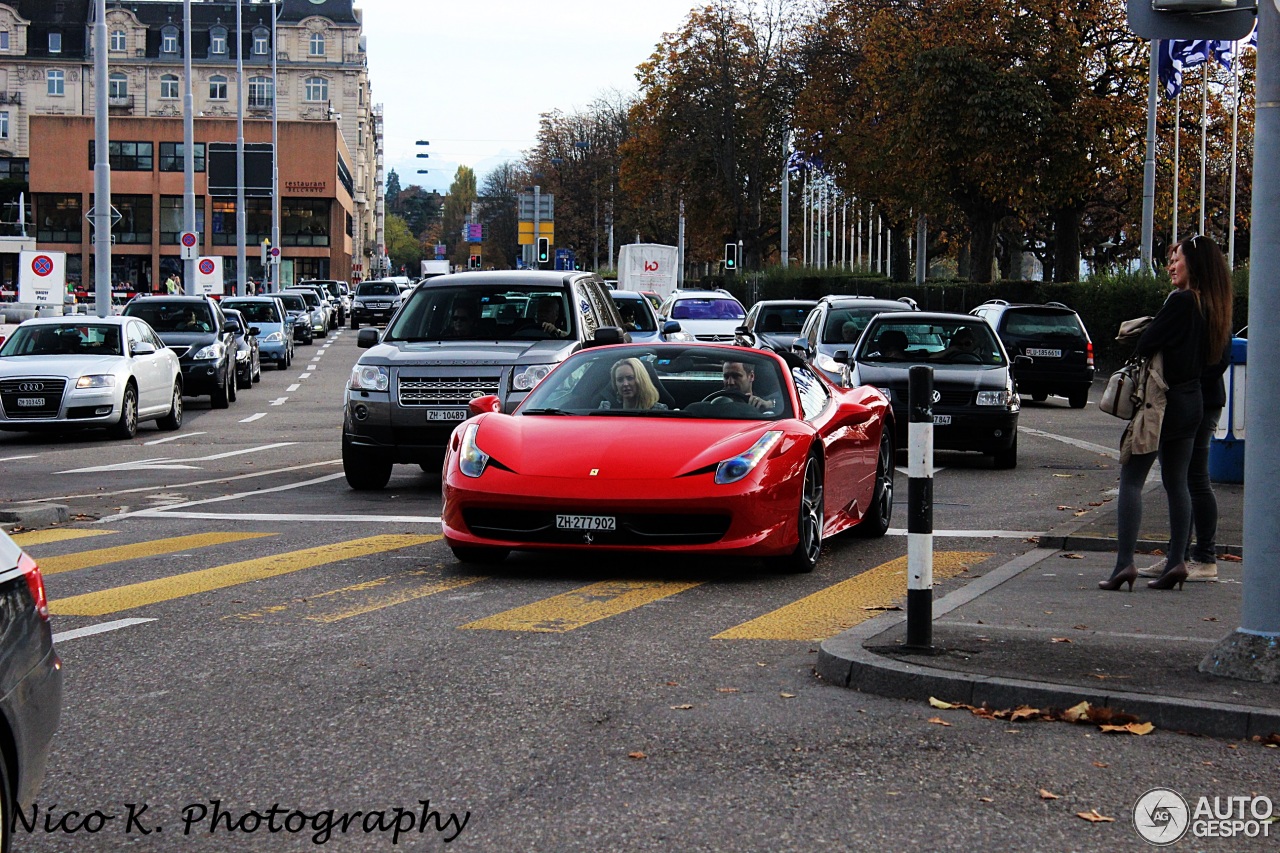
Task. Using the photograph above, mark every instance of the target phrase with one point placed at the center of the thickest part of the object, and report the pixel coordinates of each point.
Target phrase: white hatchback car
(77, 371)
(708, 315)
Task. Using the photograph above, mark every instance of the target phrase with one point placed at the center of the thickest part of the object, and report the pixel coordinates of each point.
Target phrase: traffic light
(544, 250)
(730, 256)
(475, 262)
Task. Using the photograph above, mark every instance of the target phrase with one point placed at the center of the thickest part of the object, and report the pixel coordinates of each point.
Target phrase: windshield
(254, 312)
(173, 316)
(495, 312)
(309, 296)
(47, 339)
(785, 319)
(377, 288)
(636, 316)
(959, 341)
(1042, 323)
(710, 308)
(690, 381)
(845, 325)
(292, 302)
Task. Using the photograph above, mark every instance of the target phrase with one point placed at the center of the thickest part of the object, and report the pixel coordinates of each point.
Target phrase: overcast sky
(473, 77)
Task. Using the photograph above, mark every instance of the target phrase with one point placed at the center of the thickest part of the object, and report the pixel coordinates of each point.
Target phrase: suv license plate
(30, 402)
(1045, 353)
(586, 522)
(941, 420)
(447, 414)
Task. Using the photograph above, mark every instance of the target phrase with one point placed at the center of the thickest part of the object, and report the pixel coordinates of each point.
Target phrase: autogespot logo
(1161, 816)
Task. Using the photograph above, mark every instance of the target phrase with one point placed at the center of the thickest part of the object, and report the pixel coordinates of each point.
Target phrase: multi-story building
(47, 74)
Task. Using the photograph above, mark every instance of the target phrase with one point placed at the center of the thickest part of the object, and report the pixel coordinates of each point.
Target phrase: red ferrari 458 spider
(672, 447)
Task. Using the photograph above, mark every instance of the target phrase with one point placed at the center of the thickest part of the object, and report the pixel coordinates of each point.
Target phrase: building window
(260, 93)
(169, 40)
(317, 89)
(56, 80)
(172, 156)
(4, 39)
(58, 218)
(317, 44)
(218, 40)
(360, 135)
(126, 156)
(217, 88)
(15, 169)
(172, 218)
(117, 87)
(55, 42)
(169, 86)
(257, 221)
(4, 124)
(261, 41)
(134, 226)
(117, 40)
(304, 222)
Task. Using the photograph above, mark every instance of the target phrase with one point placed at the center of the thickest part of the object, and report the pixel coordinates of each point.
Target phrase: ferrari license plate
(30, 402)
(941, 420)
(1045, 353)
(446, 414)
(586, 522)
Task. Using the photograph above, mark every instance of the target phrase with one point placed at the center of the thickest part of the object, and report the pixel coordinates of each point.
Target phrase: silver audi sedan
(77, 371)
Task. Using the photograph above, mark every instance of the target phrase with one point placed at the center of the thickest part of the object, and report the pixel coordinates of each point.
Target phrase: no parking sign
(42, 277)
(209, 275)
(188, 245)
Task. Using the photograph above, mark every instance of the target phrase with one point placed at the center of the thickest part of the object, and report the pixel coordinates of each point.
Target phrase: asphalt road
(239, 627)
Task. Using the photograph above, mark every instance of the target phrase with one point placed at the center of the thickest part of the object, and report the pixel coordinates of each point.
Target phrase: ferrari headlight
(733, 470)
(471, 459)
(274, 337)
(993, 398)
(105, 380)
(369, 377)
(213, 350)
(525, 379)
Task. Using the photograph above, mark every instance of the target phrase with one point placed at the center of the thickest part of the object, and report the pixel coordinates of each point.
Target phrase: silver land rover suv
(455, 338)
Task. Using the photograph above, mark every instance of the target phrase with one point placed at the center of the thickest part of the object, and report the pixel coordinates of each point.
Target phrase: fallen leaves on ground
(1093, 817)
(939, 722)
(882, 607)
(637, 755)
(787, 695)
(1072, 556)
(1131, 728)
(1059, 639)
(1108, 719)
(1271, 740)
(681, 707)
(1048, 795)
(1231, 558)
(1104, 765)
(985, 800)
(726, 690)
(1064, 507)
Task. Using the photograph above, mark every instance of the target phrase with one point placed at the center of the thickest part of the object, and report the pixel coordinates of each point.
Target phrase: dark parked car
(374, 302)
(30, 682)
(774, 323)
(299, 315)
(248, 358)
(1054, 340)
(975, 402)
(194, 328)
(456, 338)
(835, 324)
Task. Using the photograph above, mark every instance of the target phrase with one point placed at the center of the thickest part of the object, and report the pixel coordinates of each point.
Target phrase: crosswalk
(814, 616)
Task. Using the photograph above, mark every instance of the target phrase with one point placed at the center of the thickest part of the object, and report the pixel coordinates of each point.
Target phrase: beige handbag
(1122, 398)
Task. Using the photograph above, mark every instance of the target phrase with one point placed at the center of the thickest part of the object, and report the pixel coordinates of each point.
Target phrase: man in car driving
(739, 379)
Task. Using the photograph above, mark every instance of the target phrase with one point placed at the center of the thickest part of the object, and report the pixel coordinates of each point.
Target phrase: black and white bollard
(920, 508)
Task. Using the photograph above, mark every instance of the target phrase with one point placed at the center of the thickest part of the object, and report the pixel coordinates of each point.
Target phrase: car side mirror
(1023, 360)
(607, 335)
(144, 348)
(841, 356)
(255, 331)
(801, 348)
(670, 327)
(487, 403)
(856, 413)
(367, 338)
(741, 330)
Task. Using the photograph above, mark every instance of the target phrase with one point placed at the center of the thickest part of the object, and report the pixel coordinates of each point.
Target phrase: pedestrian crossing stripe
(136, 595)
(841, 606)
(572, 610)
(371, 602)
(139, 550)
(33, 538)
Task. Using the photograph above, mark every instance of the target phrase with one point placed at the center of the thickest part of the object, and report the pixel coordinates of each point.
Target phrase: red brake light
(1088, 351)
(35, 583)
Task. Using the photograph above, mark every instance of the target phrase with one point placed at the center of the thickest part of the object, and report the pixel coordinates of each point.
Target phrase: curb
(34, 514)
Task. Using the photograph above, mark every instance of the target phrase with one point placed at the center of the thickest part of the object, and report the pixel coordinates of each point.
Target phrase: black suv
(1053, 338)
(194, 328)
(835, 324)
(458, 337)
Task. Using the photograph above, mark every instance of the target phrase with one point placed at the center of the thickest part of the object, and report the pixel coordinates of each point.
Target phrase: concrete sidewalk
(1037, 631)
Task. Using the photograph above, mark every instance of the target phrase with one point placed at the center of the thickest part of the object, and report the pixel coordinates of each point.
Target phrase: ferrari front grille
(515, 525)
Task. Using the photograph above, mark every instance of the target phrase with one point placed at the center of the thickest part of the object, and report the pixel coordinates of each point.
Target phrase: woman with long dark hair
(1190, 332)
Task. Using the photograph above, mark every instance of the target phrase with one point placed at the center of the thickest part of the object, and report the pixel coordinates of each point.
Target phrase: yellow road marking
(838, 608)
(138, 550)
(165, 589)
(44, 537)
(580, 607)
(399, 596)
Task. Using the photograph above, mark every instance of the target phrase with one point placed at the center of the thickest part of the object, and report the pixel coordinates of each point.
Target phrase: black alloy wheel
(875, 523)
(809, 523)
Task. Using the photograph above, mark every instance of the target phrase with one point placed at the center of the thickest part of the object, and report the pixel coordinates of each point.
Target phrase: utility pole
(101, 170)
(273, 283)
(188, 153)
(242, 277)
(785, 242)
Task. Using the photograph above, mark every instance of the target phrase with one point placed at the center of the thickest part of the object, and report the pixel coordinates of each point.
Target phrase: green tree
(498, 213)
(457, 211)
(402, 247)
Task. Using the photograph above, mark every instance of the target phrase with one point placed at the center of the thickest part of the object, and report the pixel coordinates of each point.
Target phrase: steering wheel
(725, 393)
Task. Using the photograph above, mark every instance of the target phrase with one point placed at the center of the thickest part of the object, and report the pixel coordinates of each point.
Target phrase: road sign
(564, 259)
(89, 214)
(189, 245)
(42, 277)
(209, 275)
(545, 229)
(1210, 19)
(546, 206)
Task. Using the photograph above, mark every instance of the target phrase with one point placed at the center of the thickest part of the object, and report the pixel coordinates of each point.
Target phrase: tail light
(35, 583)
(1088, 352)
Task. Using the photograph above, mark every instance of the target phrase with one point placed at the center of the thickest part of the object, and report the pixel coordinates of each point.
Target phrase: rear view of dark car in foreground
(30, 683)
(1059, 353)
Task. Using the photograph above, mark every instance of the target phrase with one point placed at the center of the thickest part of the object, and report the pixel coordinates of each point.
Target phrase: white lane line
(100, 628)
(154, 511)
(249, 476)
(294, 387)
(274, 516)
(253, 418)
(16, 458)
(279, 401)
(1074, 442)
(305, 376)
(164, 440)
(975, 534)
(165, 463)
(317, 358)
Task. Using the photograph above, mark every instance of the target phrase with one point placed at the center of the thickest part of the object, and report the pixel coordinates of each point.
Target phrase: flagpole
(1235, 125)
(1204, 138)
(1177, 175)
